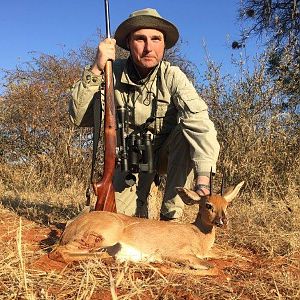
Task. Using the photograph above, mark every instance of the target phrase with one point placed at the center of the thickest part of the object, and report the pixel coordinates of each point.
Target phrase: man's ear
(127, 40)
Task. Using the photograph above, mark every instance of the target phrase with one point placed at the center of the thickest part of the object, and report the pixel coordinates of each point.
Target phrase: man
(184, 138)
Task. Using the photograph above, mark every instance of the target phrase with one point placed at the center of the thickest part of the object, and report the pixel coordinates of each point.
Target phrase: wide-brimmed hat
(146, 18)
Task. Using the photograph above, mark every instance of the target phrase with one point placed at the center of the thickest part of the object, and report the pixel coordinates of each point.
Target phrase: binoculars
(135, 153)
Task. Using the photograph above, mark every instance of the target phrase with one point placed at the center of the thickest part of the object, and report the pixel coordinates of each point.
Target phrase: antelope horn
(223, 184)
(210, 182)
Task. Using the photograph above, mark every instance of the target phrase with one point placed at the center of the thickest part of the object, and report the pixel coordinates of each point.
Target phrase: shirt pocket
(191, 103)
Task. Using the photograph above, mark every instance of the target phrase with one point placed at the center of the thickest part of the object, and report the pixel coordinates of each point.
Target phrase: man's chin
(145, 68)
(150, 65)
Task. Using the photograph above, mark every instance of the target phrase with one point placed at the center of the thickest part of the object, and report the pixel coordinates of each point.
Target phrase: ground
(27, 272)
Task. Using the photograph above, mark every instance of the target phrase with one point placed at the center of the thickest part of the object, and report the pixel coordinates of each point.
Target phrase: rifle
(104, 189)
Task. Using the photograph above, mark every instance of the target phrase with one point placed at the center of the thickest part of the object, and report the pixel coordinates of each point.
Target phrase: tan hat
(146, 18)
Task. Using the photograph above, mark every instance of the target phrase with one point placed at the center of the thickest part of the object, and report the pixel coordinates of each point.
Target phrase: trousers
(171, 158)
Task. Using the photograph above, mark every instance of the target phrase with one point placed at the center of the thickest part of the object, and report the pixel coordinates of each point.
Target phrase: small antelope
(137, 239)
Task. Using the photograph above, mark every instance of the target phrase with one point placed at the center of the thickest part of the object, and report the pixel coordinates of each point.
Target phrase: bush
(257, 130)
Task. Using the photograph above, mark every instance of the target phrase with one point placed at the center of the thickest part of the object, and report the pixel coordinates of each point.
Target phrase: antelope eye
(209, 206)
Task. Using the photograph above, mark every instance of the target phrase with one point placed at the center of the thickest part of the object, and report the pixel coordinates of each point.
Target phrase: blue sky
(45, 26)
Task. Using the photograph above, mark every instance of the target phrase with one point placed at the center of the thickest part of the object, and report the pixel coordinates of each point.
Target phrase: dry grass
(42, 182)
(261, 259)
(266, 228)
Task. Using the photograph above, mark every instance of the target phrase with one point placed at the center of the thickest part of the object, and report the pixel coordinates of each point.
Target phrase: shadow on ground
(40, 212)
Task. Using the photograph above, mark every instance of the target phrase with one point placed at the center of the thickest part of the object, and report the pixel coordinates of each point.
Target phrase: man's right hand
(106, 51)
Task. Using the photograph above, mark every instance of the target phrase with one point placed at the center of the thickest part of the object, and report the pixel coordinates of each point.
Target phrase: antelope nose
(219, 222)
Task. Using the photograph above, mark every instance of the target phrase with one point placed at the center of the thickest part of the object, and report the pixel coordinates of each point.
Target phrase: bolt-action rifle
(104, 189)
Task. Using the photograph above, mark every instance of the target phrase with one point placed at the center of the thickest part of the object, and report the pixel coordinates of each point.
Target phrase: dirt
(40, 239)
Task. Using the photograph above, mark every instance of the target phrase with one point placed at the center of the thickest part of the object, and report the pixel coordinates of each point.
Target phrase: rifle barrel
(107, 21)
(104, 189)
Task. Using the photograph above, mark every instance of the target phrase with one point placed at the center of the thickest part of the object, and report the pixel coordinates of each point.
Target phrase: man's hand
(106, 51)
(202, 187)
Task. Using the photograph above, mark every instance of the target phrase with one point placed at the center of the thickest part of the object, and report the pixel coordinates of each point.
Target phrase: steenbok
(136, 239)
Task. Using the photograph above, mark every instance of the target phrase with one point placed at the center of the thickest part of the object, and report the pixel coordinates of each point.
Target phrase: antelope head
(212, 208)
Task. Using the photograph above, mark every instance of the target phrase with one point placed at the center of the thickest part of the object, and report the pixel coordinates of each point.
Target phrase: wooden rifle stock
(104, 189)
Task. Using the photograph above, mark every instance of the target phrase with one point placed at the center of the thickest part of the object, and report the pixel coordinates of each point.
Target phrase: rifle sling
(96, 131)
(97, 113)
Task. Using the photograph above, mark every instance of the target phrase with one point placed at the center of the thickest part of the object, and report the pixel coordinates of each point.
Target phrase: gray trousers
(171, 158)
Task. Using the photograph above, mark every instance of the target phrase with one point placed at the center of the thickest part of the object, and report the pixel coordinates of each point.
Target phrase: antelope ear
(189, 197)
(232, 193)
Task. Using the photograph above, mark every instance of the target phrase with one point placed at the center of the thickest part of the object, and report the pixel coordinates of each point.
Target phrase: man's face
(147, 49)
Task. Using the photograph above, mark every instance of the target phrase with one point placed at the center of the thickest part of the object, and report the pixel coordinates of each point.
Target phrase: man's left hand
(202, 187)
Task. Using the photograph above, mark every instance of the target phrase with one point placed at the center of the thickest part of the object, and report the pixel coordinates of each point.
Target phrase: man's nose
(148, 45)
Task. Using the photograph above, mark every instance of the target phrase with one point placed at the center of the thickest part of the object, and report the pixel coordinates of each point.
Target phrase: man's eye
(139, 38)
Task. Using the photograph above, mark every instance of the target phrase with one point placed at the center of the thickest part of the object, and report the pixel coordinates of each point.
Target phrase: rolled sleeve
(202, 137)
(196, 125)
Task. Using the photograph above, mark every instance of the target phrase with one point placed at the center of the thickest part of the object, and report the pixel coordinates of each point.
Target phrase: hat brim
(169, 30)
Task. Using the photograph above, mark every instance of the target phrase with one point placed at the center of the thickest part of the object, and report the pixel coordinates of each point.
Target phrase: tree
(259, 138)
(36, 136)
(279, 22)
(279, 19)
